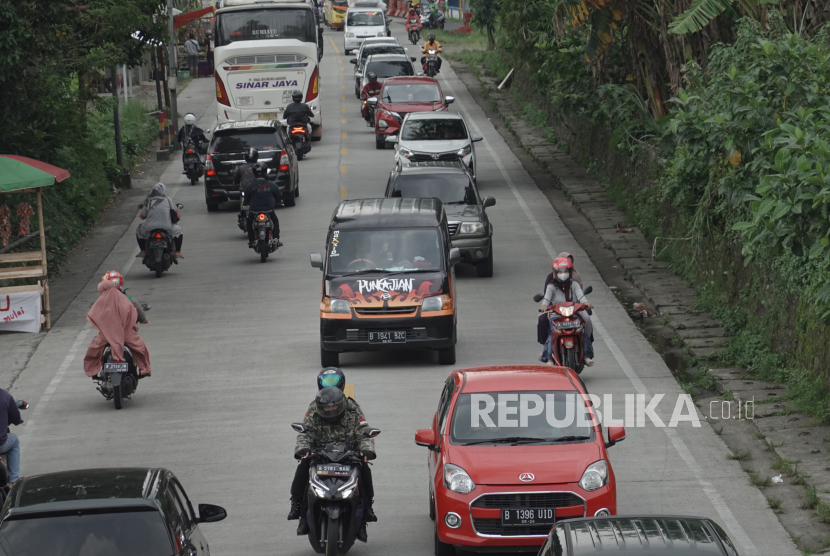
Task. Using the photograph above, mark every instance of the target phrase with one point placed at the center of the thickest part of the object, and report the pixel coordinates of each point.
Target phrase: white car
(378, 45)
(362, 23)
(387, 65)
(435, 136)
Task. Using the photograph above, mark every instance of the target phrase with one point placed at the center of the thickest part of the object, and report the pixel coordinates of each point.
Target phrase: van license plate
(116, 367)
(387, 337)
(269, 116)
(528, 516)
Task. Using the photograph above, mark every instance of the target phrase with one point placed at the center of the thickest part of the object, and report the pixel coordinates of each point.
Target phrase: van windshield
(364, 19)
(264, 24)
(359, 251)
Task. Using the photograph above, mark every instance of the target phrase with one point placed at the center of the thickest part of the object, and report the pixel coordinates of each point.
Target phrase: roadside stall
(24, 308)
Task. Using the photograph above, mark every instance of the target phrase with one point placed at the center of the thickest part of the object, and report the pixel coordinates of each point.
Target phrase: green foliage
(698, 16)
(485, 13)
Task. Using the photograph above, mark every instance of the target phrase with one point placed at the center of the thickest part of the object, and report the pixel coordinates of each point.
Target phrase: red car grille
(529, 500)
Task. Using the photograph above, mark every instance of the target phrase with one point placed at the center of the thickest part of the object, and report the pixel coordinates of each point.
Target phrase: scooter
(299, 136)
(427, 22)
(117, 380)
(413, 29)
(431, 62)
(194, 166)
(159, 250)
(335, 510)
(264, 240)
(567, 348)
(4, 464)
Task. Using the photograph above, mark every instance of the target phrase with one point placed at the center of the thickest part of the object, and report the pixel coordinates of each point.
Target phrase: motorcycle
(567, 348)
(264, 240)
(4, 464)
(117, 380)
(370, 118)
(299, 136)
(160, 248)
(428, 22)
(431, 62)
(413, 29)
(335, 509)
(194, 165)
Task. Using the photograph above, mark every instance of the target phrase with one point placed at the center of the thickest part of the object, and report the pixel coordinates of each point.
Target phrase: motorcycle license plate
(330, 470)
(569, 324)
(116, 367)
(528, 516)
(387, 337)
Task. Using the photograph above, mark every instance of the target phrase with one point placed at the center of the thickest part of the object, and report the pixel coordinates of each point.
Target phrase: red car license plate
(528, 516)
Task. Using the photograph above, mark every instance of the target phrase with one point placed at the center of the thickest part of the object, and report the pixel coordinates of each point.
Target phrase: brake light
(283, 161)
(189, 151)
(261, 217)
(297, 130)
(313, 85)
(158, 236)
(209, 171)
(221, 95)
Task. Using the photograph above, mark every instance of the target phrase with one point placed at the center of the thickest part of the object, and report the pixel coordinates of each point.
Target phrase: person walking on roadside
(209, 51)
(192, 49)
(9, 444)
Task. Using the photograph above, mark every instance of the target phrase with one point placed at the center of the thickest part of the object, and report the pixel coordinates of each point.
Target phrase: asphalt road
(235, 349)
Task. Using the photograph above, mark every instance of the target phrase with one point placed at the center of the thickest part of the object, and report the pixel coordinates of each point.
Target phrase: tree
(485, 13)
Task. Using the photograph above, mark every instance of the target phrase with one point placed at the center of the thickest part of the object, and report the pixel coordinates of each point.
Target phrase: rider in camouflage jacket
(349, 429)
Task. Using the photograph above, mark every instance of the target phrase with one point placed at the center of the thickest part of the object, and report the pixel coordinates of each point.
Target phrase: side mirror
(413, 58)
(22, 405)
(476, 138)
(615, 434)
(179, 205)
(140, 205)
(353, 61)
(392, 139)
(426, 438)
(455, 256)
(371, 433)
(588, 290)
(419, 74)
(317, 260)
(372, 101)
(358, 74)
(208, 132)
(299, 427)
(538, 297)
(449, 100)
(488, 202)
(209, 513)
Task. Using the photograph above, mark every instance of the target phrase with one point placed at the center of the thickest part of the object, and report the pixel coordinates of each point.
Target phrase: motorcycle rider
(434, 12)
(412, 20)
(262, 195)
(244, 174)
(158, 213)
(190, 131)
(9, 443)
(431, 44)
(118, 281)
(333, 376)
(298, 113)
(563, 289)
(332, 422)
(370, 89)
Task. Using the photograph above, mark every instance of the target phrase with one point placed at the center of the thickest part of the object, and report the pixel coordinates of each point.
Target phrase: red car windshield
(530, 417)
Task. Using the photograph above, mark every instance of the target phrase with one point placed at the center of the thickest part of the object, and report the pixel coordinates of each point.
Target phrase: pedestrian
(9, 444)
(209, 52)
(192, 49)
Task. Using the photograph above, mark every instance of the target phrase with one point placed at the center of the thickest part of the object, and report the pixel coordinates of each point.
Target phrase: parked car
(400, 96)
(651, 534)
(369, 47)
(435, 136)
(470, 229)
(227, 151)
(124, 511)
(501, 475)
(362, 23)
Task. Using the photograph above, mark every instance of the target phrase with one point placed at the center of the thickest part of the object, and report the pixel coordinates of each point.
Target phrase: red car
(513, 450)
(402, 95)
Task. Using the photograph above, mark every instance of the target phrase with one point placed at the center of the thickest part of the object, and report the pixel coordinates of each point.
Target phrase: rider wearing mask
(9, 444)
(332, 422)
(159, 212)
(298, 113)
(431, 44)
(262, 195)
(114, 316)
(190, 132)
(562, 289)
(370, 89)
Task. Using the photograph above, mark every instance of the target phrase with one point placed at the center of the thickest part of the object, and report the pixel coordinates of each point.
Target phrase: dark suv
(123, 511)
(470, 229)
(227, 152)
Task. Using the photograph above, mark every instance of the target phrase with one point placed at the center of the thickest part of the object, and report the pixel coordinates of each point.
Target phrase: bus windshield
(264, 24)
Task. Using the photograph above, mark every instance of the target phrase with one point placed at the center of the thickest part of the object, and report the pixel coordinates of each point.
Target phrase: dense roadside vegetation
(708, 122)
(52, 52)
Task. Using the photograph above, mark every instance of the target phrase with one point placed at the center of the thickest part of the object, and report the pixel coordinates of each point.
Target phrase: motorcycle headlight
(472, 228)
(457, 480)
(405, 152)
(465, 151)
(595, 476)
(566, 311)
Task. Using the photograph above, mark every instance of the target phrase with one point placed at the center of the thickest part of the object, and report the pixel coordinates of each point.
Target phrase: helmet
(331, 404)
(115, 277)
(189, 119)
(260, 170)
(431, 37)
(331, 376)
(297, 96)
(562, 266)
(251, 155)
(372, 76)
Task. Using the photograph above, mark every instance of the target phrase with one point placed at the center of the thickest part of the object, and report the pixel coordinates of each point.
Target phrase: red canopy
(59, 173)
(182, 20)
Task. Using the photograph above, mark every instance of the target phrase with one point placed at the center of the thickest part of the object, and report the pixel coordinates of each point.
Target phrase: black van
(388, 279)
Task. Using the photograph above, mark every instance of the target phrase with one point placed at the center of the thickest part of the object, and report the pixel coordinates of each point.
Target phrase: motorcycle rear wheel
(159, 269)
(332, 536)
(193, 180)
(116, 396)
(263, 250)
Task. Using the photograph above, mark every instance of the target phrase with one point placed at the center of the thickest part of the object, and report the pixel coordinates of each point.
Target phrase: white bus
(265, 50)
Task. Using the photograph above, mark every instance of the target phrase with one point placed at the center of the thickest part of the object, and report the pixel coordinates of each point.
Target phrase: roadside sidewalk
(774, 441)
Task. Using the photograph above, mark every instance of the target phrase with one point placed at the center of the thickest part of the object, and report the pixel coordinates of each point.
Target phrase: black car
(664, 535)
(470, 229)
(116, 511)
(227, 152)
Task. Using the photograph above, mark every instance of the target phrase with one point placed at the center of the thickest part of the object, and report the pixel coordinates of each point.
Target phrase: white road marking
(737, 532)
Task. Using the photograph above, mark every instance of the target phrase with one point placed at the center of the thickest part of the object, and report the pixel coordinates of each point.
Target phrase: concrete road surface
(235, 351)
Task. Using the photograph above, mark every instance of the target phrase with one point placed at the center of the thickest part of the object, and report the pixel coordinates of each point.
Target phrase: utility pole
(119, 150)
(173, 65)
